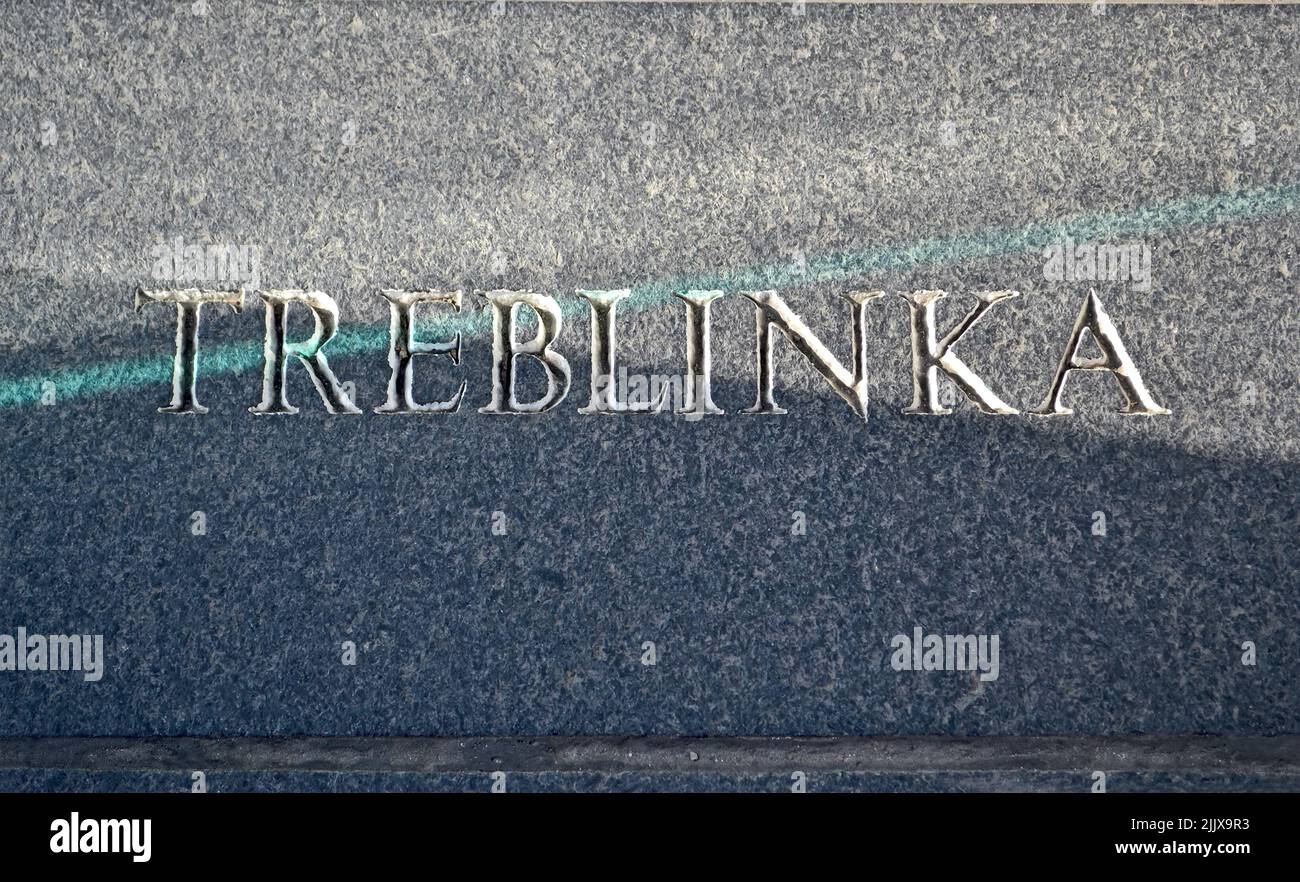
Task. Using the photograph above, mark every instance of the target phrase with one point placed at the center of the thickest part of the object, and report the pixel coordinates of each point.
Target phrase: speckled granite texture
(380, 145)
(42, 781)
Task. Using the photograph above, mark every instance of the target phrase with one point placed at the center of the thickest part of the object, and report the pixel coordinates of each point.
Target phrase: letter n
(771, 310)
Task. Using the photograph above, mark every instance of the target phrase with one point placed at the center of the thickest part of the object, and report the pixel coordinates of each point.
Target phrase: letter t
(185, 365)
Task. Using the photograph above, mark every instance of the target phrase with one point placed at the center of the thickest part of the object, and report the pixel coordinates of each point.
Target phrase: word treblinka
(930, 353)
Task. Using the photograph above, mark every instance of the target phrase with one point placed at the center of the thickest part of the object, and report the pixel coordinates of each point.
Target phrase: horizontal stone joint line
(661, 754)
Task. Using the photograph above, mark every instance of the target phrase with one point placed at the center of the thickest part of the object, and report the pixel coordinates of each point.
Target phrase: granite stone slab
(506, 576)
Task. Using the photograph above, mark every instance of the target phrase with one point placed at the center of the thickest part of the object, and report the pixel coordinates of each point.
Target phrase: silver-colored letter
(403, 347)
(771, 310)
(505, 306)
(929, 356)
(604, 391)
(1114, 358)
(697, 391)
(185, 364)
(326, 313)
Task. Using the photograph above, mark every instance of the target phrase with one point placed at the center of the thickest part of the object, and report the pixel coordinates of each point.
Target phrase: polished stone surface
(383, 145)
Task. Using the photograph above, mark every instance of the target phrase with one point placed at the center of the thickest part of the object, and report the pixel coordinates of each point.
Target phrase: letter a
(1115, 358)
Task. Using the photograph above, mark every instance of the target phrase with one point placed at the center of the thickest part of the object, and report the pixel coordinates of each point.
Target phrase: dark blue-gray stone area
(619, 531)
(360, 147)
